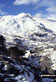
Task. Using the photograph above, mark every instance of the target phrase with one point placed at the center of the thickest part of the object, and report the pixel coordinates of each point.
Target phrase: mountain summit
(32, 31)
(23, 25)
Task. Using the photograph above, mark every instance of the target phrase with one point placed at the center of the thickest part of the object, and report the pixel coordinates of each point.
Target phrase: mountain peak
(23, 15)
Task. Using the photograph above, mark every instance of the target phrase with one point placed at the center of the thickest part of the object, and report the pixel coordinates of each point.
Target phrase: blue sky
(34, 7)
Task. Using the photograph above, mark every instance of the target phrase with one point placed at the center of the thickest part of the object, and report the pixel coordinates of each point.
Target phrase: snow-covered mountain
(49, 22)
(26, 27)
(38, 37)
(29, 31)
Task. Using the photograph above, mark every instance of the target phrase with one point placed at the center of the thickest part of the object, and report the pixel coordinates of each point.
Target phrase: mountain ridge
(31, 30)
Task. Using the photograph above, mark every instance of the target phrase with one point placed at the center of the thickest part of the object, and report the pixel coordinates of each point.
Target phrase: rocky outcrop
(15, 67)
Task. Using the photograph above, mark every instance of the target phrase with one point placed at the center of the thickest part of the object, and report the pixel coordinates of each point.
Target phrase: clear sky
(34, 7)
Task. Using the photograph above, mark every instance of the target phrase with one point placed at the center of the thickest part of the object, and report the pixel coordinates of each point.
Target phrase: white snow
(53, 58)
(27, 54)
(19, 25)
(23, 25)
(49, 23)
(5, 67)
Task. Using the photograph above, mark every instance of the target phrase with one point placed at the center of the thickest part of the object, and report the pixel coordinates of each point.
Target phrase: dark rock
(3, 49)
(2, 40)
(16, 53)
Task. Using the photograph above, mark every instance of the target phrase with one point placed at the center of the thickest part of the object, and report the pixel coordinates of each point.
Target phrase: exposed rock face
(3, 49)
(26, 69)
(2, 40)
(16, 53)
